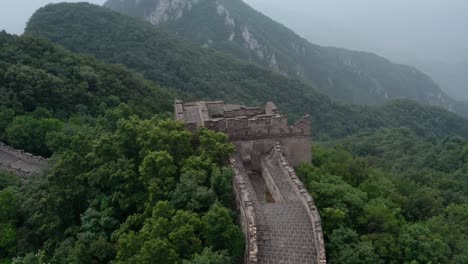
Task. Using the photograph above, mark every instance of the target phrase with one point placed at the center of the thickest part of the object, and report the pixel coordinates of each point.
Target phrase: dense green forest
(42, 86)
(233, 27)
(392, 197)
(126, 190)
(129, 185)
(205, 74)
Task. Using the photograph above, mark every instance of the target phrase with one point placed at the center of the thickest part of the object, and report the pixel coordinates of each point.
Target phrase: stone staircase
(284, 230)
(290, 235)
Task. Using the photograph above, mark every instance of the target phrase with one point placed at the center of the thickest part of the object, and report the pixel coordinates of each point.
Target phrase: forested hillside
(392, 197)
(124, 184)
(234, 27)
(206, 74)
(42, 86)
(126, 190)
(127, 184)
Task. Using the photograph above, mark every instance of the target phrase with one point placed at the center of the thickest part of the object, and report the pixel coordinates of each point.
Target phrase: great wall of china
(19, 162)
(276, 213)
(278, 217)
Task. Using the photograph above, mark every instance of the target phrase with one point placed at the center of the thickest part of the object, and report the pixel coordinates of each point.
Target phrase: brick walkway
(285, 233)
(16, 165)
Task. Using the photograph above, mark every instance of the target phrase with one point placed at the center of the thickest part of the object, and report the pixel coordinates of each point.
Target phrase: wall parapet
(20, 155)
(243, 128)
(306, 199)
(247, 214)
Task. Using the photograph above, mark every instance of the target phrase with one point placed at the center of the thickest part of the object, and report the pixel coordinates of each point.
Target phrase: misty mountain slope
(452, 77)
(234, 27)
(203, 73)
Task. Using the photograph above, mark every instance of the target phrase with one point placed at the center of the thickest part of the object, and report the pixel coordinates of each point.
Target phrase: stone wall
(256, 132)
(241, 128)
(19, 162)
(246, 213)
(256, 137)
(216, 108)
(296, 148)
(270, 183)
(244, 111)
(277, 156)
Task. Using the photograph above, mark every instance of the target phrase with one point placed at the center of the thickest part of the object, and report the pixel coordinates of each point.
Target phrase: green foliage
(8, 179)
(8, 230)
(43, 85)
(130, 190)
(31, 133)
(220, 232)
(197, 72)
(165, 237)
(116, 193)
(421, 245)
(344, 247)
(391, 197)
(214, 144)
(209, 257)
(159, 173)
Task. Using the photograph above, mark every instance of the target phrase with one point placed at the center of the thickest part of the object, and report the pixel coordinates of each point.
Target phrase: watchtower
(254, 130)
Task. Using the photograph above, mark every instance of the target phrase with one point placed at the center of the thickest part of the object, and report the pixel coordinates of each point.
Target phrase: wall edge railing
(245, 205)
(306, 199)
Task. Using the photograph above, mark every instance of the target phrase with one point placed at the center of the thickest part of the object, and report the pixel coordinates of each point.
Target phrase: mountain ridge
(237, 29)
(206, 74)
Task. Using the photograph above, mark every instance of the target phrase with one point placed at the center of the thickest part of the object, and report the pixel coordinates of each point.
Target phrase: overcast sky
(15, 13)
(398, 29)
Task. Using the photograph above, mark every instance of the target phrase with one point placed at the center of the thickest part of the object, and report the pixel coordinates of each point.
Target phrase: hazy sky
(399, 29)
(15, 13)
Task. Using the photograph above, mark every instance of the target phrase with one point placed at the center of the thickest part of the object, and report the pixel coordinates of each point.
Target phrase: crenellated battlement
(267, 149)
(277, 157)
(240, 122)
(262, 126)
(254, 130)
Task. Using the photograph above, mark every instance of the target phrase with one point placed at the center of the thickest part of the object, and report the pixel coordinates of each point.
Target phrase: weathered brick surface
(19, 162)
(277, 156)
(284, 231)
(279, 218)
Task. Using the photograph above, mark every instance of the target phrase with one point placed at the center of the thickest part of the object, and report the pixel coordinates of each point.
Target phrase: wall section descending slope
(278, 217)
(19, 162)
(277, 157)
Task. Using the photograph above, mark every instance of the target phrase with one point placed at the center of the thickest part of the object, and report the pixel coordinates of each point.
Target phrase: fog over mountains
(428, 34)
(15, 14)
(423, 29)
(399, 29)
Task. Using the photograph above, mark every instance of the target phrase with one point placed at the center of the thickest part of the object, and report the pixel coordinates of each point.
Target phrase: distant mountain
(234, 27)
(202, 73)
(452, 77)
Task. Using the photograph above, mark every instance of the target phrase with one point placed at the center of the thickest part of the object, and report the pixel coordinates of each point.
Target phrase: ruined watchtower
(279, 218)
(253, 130)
